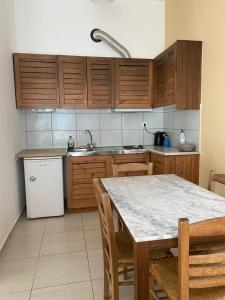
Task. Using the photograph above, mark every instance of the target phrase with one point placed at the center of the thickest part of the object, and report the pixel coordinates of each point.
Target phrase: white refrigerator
(44, 187)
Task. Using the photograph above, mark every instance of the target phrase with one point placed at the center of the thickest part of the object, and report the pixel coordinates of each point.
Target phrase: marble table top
(150, 206)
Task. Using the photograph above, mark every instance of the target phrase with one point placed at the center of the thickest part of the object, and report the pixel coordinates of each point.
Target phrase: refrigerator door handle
(32, 179)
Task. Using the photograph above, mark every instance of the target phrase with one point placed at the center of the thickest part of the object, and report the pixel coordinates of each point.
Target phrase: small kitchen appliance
(159, 138)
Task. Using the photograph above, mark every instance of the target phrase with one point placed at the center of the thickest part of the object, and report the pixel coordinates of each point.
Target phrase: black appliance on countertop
(132, 147)
(159, 138)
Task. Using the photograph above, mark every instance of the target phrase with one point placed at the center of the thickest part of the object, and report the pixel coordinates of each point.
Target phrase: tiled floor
(55, 258)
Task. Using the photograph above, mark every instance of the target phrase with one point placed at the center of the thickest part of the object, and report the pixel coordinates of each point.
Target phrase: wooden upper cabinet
(133, 83)
(100, 74)
(72, 81)
(159, 82)
(36, 81)
(177, 76)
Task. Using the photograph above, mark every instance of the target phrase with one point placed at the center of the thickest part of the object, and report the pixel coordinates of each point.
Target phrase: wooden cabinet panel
(177, 76)
(100, 72)
(36, 80)
(159, 82)
(73, 81)
(188, 74)
(80, 172)
(133, 83)
(185, 166)
(170, 77)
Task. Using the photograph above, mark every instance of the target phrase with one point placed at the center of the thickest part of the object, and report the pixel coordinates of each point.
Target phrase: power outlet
(144, 124)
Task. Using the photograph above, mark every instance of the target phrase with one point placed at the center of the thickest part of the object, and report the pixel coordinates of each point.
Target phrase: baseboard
(11, 229)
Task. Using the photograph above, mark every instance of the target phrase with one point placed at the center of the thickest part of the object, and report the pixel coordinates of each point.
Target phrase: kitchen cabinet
(177, 76)
(186, 166)
(100, 74)
(133, 83)
(80, 174)
(36, 80)
(72, 81)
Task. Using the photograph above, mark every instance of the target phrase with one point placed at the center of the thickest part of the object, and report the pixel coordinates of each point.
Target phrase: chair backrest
(199, 270)
(213, 178)
(132, 167)
(107, 228)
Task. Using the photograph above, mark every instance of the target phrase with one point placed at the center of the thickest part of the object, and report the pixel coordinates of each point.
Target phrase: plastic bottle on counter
(166, 141)
(182, 138)
(70, 143)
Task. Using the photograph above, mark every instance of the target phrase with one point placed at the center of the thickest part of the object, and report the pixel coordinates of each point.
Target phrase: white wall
(64, 26)
(11, 187)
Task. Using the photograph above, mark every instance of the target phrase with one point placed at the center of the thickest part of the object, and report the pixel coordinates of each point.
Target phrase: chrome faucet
(91, 145)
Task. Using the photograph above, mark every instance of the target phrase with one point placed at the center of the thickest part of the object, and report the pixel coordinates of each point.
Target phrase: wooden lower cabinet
(186, 166)
(82, 170)
(80, 173)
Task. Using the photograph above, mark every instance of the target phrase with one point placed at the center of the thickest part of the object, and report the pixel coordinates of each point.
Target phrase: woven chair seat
(166, 273)
(125, 250)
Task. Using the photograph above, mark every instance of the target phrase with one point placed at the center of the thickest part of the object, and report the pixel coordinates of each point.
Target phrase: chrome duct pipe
(98, 35)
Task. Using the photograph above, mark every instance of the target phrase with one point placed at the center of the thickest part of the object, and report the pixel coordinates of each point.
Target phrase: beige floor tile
(75, 291)
(93, 239)
(126, 292)
(16, 296)
(95, 258)
(17, 275)
(61, 224)
(90, 220)
(59, 269)
(22, 247)
(27, 227)
(63, 242)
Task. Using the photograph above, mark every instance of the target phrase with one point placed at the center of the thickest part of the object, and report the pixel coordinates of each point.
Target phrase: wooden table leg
(141, 269)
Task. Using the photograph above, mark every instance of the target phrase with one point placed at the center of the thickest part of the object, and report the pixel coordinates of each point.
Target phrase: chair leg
(115, 290)
(106, 287)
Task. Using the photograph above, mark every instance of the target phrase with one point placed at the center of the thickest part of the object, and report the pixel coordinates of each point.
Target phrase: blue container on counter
(166, 141)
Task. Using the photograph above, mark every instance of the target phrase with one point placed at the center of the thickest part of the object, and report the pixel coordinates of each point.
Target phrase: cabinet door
(72, 81)
(187, 166)
(100, 73)
(158, 164)
(159, 82)
(81, 172)
(36, 81)
(170, 76)
(133, 83)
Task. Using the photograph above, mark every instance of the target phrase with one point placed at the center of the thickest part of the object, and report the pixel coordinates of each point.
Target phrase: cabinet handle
(32, 179)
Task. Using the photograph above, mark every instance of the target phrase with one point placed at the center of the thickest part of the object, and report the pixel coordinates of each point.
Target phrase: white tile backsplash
(132, 120)
(133, 137)
(63, 122)
(84, 138)
(37, 122)
(111, 138)
(110, 121)
(39, 139)
(60, 138)
(108, 128)
(154, 120)
(87, 121)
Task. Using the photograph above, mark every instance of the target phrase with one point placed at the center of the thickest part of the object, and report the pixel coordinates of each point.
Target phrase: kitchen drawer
(129, 158)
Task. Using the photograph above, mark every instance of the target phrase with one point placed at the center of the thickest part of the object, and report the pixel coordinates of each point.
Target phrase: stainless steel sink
(82, 149)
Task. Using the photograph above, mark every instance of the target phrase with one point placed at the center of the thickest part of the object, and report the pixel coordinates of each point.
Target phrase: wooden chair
(213, 178)
(117, 246)
(197, 276)
(132, 168)
(211, 246)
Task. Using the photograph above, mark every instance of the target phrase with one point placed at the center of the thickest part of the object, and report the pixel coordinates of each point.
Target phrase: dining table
(150, 207)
